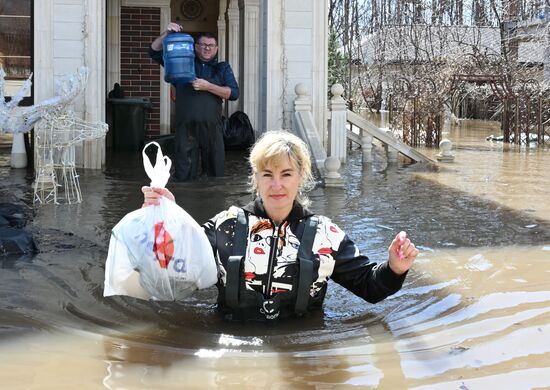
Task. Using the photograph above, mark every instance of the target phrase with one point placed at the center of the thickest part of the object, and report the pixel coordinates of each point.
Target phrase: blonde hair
(273, 147)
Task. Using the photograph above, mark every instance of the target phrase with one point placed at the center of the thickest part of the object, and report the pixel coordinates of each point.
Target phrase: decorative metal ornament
(57, 130)
(191, 9)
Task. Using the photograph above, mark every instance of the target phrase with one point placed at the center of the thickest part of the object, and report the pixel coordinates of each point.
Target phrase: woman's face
(278, 187)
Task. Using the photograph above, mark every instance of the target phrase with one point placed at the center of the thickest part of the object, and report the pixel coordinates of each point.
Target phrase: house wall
(272, 46)
(139, 76)
(294, 51)
(68, 40)
(289, 47)
(69, 34)
(298, 46)
(59, 44)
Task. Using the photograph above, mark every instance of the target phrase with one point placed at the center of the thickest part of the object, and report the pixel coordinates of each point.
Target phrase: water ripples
(474, 309)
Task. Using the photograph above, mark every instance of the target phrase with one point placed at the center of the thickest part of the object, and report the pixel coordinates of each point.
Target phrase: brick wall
(139, 76)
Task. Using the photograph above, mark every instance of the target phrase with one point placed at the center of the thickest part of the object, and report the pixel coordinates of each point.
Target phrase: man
(199, 107)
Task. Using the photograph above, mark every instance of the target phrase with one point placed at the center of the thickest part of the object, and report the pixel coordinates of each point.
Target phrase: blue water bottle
(179, 58)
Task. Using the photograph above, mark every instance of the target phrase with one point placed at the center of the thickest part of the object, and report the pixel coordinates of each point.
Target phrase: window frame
(28, 100)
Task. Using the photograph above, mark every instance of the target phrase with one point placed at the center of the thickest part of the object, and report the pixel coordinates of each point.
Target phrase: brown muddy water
(474, 312)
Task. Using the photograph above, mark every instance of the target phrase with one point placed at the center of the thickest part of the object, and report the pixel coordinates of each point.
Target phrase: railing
(368, 131)
(336, 150)
(392, 144)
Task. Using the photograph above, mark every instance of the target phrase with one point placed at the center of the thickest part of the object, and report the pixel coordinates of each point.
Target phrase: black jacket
(270, 268)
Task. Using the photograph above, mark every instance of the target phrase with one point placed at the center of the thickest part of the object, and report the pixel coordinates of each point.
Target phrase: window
(15, 42)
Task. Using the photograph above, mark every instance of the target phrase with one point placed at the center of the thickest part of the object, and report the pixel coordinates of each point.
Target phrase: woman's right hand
(152, 195)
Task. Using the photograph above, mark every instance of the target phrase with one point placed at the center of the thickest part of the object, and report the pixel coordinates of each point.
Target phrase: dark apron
(198, 133)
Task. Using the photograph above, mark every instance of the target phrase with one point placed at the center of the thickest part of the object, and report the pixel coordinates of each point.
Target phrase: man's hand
(173, 27)
(201, 85)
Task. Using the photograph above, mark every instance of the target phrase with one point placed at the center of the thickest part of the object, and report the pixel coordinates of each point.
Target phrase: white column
(332, 176)
(366, 147)
(251, 61)
(233, 48)
(113, 43)
(274, 70)
(391, 153)
(222, 36)
(18, 158)
(320, 66)
(304, 125)
(445, 154)
(165, 104)
(337, 134)
(43, 52)
(303, 100)
(94, 97)
(222, 40)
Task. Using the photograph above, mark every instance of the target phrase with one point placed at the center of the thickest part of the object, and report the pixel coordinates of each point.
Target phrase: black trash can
(128, 118)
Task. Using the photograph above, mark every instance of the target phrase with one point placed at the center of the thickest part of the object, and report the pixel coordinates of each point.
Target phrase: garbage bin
(128, 118)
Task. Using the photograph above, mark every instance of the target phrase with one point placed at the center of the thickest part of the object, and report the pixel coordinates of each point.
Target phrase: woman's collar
(256, 207)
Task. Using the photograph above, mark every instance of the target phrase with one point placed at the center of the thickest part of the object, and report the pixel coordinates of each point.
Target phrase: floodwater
(474, 311)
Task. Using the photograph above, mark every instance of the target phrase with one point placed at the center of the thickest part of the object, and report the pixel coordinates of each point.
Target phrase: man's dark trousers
(194, 137)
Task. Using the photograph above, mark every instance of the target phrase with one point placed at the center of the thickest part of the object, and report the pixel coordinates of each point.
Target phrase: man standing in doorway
(199, 107)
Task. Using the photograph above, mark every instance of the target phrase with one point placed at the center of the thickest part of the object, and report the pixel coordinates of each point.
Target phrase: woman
(274, 256)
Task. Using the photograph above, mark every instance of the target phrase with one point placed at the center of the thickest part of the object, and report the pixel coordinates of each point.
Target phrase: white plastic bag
(158, 252)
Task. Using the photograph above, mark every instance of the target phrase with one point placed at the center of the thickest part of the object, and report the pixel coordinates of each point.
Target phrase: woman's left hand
(152, 195)
(401, 253)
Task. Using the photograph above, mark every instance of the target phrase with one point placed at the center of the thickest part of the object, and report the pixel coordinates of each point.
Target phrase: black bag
(16, 241)
(117, 92)
(238, 132)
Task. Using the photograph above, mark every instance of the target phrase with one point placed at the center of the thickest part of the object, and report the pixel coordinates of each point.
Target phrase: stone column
(304, 125)
(165, 103)
(445, 155)
(319, 61)
(272, 100)
(303, 100)
(332, 176)
(43, 73)
(95, 94)
(18, 154)
(43, 58)
(337, 135)
(366, 147)
(222, 26)
(392, 154)
(113, 42)
(251, 60)
(233, 48)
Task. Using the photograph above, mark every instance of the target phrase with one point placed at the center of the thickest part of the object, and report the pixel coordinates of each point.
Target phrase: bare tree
(397, 50)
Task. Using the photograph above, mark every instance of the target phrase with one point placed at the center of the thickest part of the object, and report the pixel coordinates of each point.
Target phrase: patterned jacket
(269, 269)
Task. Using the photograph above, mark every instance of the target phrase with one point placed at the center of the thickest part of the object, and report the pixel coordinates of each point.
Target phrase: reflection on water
(474, 311)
